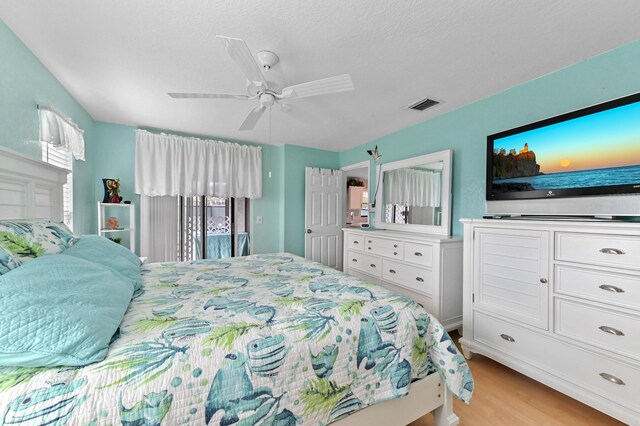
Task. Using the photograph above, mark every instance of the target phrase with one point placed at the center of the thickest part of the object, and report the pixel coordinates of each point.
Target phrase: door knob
(308, 231)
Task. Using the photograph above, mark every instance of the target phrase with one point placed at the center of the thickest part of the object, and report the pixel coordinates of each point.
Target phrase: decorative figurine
(111, 191)
(113, 223)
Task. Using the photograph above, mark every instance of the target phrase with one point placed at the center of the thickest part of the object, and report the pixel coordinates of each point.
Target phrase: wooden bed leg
(443, 415)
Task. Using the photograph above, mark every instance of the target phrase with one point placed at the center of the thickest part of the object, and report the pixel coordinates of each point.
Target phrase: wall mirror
(415, 194)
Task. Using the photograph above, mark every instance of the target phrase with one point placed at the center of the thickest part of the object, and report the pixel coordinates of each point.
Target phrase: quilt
(259, 340)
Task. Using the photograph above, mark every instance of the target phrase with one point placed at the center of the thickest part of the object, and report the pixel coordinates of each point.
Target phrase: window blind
(61, 157)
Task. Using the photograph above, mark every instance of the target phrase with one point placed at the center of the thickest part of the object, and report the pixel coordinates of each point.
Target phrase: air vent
(423, 104)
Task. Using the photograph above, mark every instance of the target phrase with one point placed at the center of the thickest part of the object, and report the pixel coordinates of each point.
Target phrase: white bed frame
(31, 189)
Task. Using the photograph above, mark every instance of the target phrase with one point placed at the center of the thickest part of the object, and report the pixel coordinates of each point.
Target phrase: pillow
(59, 311)
(7, 261)
(27, 240)
(105, 252)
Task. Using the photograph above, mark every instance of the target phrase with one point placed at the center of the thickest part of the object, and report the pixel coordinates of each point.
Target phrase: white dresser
(558, 301)
(427, 268)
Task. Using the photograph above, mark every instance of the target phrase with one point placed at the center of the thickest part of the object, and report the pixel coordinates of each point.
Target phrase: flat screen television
(590, 154)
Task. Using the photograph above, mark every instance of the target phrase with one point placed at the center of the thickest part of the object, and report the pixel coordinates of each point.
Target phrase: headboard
(29, 188)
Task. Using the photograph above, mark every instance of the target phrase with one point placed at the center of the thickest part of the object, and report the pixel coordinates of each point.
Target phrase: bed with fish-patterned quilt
(257, 340)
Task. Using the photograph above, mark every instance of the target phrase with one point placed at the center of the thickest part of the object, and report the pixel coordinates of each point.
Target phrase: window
(213, 228)
(62, 157)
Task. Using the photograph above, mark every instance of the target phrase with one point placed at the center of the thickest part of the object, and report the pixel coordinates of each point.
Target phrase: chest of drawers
(426, 268)
(559, 302)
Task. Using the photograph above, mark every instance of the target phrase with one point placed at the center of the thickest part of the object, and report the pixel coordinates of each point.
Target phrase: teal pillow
(59, 311)
(105, 252)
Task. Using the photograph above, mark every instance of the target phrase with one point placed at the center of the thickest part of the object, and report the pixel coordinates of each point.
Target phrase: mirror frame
(444, 228)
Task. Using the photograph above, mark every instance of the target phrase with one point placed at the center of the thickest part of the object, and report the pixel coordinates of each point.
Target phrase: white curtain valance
(410, 187)
(60, 131)
(176, 165)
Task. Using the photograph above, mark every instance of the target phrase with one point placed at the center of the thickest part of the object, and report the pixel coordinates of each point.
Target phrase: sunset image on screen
(600, 149)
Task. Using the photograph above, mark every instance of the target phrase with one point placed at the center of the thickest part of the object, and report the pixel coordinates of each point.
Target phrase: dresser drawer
(362, 262)
(618, 289)
(387, 252)
(607, 250)
(384, 247)
(605, 328)
(420, 254)
(411, 277)
(355, 242)
(575, 365)
(382, 243)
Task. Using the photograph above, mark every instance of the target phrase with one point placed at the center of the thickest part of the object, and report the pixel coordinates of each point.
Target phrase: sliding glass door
(214, 228)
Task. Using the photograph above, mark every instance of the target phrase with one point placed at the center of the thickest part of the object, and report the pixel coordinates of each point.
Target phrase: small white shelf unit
(130, 226)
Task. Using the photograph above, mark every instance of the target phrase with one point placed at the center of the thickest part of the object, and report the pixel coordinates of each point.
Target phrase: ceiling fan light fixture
(267, 99)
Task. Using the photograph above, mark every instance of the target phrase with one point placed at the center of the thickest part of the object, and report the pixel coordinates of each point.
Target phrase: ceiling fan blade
(340, 83)
(207, 96)
(239, 52)
(253, 117)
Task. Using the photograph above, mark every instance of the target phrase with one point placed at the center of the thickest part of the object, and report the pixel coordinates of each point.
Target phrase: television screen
(593, 151)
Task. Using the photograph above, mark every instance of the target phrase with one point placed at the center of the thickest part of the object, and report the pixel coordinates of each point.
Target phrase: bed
(266, 339)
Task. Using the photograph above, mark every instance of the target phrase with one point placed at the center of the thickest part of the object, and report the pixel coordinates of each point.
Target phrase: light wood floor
(505, 397)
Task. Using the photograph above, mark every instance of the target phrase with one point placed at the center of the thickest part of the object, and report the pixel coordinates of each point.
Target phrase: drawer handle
(356, 242)
(395, 246)
(612, 379)
(609, 250)
(395, 253)
(373, 265)
(612, 288)
(369, 241)
(354, 260)
(392, 271)
(418, 253)
(611, 330)
(543, 280)
(420, 279)
(508, 338)
(369, 248)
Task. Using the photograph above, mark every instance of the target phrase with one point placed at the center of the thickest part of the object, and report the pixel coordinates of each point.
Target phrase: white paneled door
(323, 216)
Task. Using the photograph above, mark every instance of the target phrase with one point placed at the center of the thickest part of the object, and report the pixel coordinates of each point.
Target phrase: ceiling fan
(259, 88)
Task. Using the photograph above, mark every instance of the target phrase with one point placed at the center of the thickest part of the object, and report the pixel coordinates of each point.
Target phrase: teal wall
(110, 148)
(611, 75)
(114, 158)
(296, 158)
(282, 202)
(268, 236)
(24, 83)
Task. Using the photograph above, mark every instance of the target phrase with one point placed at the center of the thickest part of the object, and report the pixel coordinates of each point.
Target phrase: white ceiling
(119, 58)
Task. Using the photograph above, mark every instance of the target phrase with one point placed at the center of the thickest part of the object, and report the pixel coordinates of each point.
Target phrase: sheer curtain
(408, 187)
(169, 166)
(159, 228)
(177, 165)
(60, 131)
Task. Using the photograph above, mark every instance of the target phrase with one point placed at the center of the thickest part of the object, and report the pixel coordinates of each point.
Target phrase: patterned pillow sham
(26, 240)
(7, 261)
